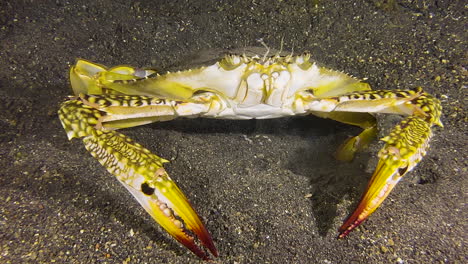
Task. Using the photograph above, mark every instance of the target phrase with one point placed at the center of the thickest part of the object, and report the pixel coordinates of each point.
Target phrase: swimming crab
(237, 87)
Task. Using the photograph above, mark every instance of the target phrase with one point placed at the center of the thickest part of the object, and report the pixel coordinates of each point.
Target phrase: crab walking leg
(405, 146)
(139, 170)
(366, 121)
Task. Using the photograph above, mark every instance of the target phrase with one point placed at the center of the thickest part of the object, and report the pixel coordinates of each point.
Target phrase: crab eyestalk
(141, 172)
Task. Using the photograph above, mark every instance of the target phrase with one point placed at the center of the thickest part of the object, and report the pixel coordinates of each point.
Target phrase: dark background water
(269, 191)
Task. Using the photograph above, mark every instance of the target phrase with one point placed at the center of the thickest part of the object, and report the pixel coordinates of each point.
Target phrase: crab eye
(146, 189)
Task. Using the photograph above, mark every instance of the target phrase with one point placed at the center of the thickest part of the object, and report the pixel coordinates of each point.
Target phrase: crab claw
(405, 147)
(168, 206)
(139, 170)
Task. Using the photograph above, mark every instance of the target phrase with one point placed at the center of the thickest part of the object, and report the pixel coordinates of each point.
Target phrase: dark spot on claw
(146, 189)
(402, 171)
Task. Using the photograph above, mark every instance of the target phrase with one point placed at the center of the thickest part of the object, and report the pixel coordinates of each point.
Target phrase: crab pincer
(141, 172)
(405, 147)
(169, 207)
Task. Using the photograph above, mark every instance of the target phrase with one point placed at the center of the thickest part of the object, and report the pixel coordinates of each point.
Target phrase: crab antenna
(260, 40)
(281, 46)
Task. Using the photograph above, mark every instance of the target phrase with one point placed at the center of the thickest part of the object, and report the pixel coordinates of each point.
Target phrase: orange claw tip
(385, 177)
(352, 222)
(177, 230)
(189, 242)
(206, 240)
(177, 201)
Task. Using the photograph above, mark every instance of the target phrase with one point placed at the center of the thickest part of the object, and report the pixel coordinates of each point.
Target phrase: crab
(237, 87)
